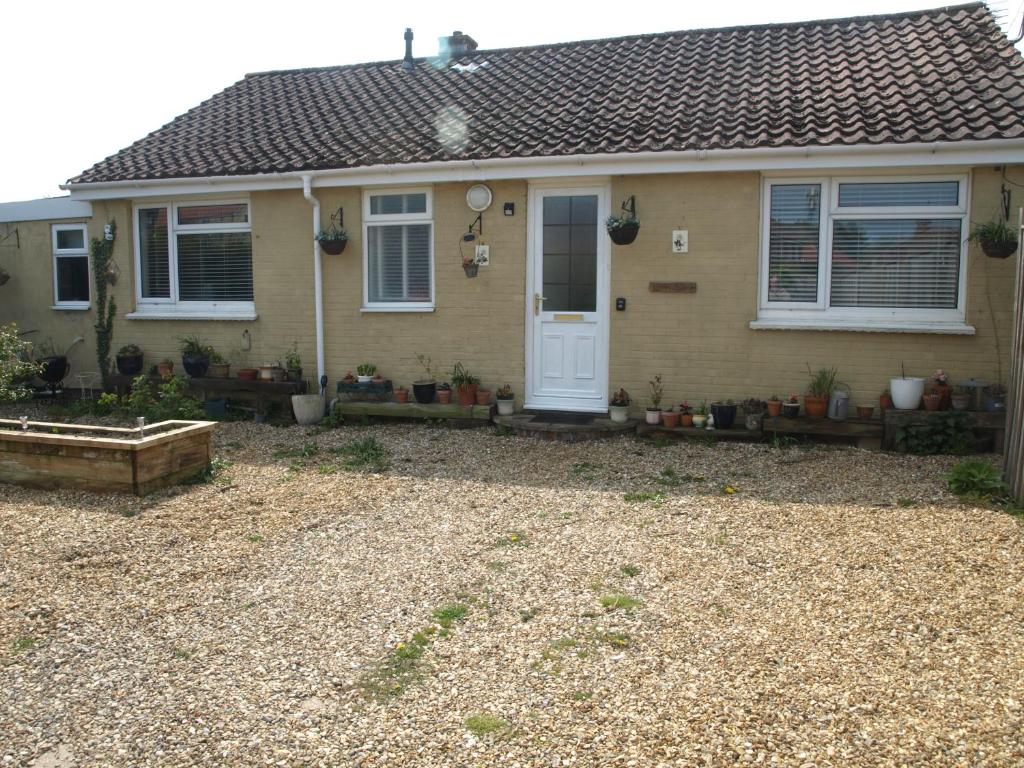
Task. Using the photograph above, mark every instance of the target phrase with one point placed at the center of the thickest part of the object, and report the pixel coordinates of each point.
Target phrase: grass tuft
(481, 725)
(616, 602)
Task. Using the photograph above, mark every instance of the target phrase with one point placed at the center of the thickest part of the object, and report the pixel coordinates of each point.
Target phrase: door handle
(537, 301)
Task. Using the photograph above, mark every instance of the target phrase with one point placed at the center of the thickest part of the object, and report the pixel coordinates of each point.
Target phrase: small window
(907, 194)
(398, 267)
(71, 266)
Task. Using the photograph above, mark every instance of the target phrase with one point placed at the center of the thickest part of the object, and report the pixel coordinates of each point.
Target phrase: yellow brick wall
(700, 343)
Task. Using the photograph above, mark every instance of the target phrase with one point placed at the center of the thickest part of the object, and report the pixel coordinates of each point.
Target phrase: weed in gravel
(254, 538)
(615, 602)
(614, 639)
(668, 477)
(497, 566)
(182, 653)
(513, 539)
(449, 613)
(481, 725)
(585, 470)
(644, 496)
(721, 538)
(528, 614)
(502, 430)
(23, 643)
(306, 451)
(367, 453)
(905, 502)
(398, 670)
(214, 472)
(629, 570)
(582, 695)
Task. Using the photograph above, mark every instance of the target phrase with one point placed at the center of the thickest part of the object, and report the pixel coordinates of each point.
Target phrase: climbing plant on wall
(102, 251)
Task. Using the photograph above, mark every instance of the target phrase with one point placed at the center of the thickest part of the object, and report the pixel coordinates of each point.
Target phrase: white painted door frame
(596, 402)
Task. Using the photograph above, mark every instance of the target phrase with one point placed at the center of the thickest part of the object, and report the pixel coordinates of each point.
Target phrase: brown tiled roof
(947, 74)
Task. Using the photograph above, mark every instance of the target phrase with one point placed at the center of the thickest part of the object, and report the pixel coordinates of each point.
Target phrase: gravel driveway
(458, 598)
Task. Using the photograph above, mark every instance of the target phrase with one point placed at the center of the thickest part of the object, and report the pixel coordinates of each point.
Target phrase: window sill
(862, 325)
(148, 313)
(398, 308)
(71, 307)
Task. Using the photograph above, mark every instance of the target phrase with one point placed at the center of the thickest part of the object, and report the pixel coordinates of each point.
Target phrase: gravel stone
(840, 608)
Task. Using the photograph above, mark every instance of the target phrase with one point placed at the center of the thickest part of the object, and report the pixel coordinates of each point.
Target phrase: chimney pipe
(456, 45)
(407, 62)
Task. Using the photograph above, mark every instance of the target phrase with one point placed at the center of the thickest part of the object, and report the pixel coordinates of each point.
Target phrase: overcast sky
(83, 80)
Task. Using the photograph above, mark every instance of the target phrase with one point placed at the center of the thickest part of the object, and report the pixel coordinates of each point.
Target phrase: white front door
(567, 299)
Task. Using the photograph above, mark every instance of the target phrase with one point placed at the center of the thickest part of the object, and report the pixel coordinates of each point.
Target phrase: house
(804, 191)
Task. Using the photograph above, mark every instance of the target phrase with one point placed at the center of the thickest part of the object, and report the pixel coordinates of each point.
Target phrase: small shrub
(16, 369)
(944, 432)
(976, 477)
(365, 453)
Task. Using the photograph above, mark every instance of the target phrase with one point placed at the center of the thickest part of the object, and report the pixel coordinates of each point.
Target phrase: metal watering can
(839, 402)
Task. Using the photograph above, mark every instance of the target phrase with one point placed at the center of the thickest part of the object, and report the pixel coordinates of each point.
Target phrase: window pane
(236, 213)
(215, 266)
(391, 204)
(72, 278)
(793, 242)
(398, 263)
(154, 255)
(904, 193)
(570, 253)
(906, 263)
(70, 239)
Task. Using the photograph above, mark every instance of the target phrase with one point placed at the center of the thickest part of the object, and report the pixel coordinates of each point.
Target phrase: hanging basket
(471, 269)
(998, 250)
(333, 247)
(625, 234)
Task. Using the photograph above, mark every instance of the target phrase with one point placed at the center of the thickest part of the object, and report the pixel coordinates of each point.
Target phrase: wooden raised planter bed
(104, 459)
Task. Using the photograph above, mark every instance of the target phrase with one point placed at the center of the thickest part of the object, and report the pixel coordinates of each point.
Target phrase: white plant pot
(653, 417)
(618, 413)
(309, 409)
(364, 379)
(699, 421)
(906, 393)
(506, 407)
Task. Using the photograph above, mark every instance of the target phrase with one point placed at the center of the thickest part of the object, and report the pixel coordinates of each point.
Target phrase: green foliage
(130, 350)
(615, 602)
(193, 346)
(292, 359)
(16, 369)
(449, 613)
(978, 478)
(365, 453)
(942, 432)
(171, 401)
(481, 725)
(822, 382)
(366, 369)
(102, 251)
(461, 377)
(996, 232)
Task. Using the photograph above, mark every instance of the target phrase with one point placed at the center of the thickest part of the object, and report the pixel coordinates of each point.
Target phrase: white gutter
(948, 153)
(318, 288)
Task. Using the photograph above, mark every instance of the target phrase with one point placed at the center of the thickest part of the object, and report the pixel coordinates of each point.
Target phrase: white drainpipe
(318, 288)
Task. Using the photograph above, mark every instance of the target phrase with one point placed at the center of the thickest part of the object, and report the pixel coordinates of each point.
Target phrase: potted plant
(333, 239)
(424, 389)
(906, 391)
(724, 414)
(670, 418)
(618, 407)
(365, 373)
(401, 394)
(219, 368)
(791, 408)
(623, 229)
(165, 368)
(960, 399)
(942, 389)
(271, 372)
(506, 400)
(819, 390)
(685, 414)
(653, 414)
(884, 400)
(52, 367)
(195, 356)
(997, 239)
(293, 363)
(444, 393)
(865, 411)
(348, 378)
(483, 396)
(700, 416)
(248, 374)
(469, 265)
(931, 400)
(773, 405)
(753, 413)
(465, 383)
(129, 360)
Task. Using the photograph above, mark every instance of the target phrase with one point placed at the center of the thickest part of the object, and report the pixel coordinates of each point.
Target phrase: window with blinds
(195, 254)
(399, 250)
(865, 248)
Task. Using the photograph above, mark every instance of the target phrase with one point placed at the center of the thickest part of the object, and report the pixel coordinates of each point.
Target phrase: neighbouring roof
(947, 74)
(45, 209)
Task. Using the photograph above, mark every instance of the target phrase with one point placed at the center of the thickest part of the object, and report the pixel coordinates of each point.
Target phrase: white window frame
(369, 220)
(818, 315)
(172, 307)
(59, 253)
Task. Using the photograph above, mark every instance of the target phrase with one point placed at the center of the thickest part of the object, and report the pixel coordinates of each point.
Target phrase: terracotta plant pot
(815, 407)
(401, 395)
(483, 397)
(884, 401)
(670, 419)
(865, 411)
(444, 396)
(932, 401)
(686, 420)
(945, 393)
(219, 370)
(248, 374)
(166, 370)
(467, 394)
(774, 407)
